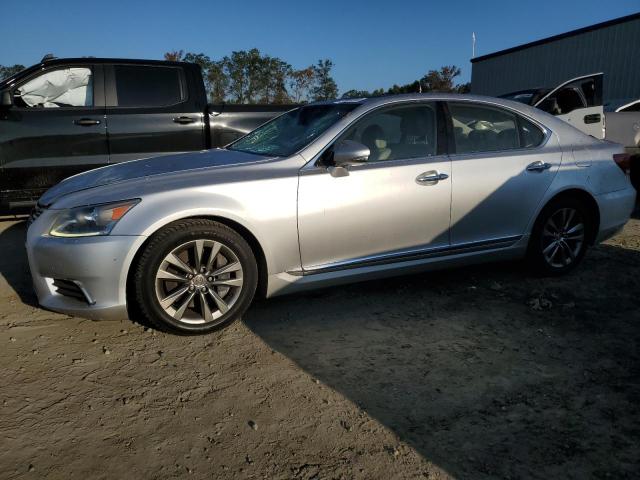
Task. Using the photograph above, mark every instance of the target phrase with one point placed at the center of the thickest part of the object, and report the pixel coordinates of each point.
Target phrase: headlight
(91, 220)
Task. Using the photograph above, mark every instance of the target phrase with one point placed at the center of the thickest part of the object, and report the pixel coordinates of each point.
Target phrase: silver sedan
(327, 193)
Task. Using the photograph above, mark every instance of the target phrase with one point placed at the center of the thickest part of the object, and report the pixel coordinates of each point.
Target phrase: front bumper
(98, 266)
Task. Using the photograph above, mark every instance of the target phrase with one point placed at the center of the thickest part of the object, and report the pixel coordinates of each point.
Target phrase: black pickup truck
(64, 116)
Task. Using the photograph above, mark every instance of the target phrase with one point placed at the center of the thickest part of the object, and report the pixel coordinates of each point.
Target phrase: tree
(440, 80)
(6, 72)
(325, 86)
(218, 82)
(300, 82)
(175, 56)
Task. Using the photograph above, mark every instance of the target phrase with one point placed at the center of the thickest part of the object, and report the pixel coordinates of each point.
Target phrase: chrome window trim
(311, 164)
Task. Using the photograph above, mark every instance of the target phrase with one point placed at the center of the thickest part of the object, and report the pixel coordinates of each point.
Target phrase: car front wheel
(195, 276)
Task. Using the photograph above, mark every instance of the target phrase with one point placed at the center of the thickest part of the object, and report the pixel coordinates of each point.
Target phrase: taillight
(623, 160)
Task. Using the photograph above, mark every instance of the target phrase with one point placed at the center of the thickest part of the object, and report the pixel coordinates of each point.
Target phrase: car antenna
(47, 57)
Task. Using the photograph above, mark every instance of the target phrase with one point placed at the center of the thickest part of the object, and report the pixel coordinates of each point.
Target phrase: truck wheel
(560, 236)
(195, 276)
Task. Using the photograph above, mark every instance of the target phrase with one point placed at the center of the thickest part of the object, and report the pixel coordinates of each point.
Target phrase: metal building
(611, 47)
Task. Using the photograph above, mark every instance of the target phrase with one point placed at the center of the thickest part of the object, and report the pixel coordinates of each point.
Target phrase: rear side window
(479, 128)
(531, 135)
(148, 86)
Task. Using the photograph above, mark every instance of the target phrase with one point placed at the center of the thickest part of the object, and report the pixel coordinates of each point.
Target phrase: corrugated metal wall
(614, 50)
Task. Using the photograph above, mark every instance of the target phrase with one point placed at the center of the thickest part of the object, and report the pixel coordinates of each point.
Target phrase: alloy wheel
(199, 281)
(563, 237)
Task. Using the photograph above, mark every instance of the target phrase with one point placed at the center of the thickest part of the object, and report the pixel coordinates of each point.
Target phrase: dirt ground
(483, 372)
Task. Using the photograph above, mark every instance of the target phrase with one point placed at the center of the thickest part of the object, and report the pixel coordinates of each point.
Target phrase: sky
(372, 43)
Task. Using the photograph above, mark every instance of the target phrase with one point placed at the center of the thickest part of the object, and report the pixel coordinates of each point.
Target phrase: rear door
(578, 102)
(150, 112)
(54, 129)
(501, 168)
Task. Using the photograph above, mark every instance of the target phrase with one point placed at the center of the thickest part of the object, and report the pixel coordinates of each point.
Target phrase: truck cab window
(65, 87)
(148, 86)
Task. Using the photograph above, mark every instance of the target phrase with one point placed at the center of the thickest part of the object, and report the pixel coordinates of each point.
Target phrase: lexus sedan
(324, 194)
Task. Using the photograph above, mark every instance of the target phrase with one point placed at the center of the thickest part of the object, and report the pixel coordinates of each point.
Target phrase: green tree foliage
(175, 56)
(6, 72)
(300, 84)
(442, 80)
(325, 87)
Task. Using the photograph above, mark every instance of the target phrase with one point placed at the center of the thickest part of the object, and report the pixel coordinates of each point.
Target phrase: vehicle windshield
(288, 133)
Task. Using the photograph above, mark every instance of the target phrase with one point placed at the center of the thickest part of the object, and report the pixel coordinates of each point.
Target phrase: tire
(569, 240)
(180, 288)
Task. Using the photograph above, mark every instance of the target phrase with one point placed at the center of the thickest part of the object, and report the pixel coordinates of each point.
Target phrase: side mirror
(6, 99)
(349, 152)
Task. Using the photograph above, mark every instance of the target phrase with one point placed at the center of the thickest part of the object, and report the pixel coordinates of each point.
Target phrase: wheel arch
(583, 196)
(242, 230)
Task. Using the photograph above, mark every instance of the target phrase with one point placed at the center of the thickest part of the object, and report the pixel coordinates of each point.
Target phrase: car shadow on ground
(15, 267)
(485, 371)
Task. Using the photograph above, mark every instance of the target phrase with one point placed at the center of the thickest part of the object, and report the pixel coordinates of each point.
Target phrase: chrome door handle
(431, 177)
(86, 122)
(538, 166)
(184, 120)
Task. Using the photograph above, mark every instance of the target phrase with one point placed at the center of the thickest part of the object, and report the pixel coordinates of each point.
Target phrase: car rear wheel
(195, 276)
(560, 237)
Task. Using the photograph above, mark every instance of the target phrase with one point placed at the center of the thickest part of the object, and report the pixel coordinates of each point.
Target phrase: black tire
(540, 239)
(166, 241)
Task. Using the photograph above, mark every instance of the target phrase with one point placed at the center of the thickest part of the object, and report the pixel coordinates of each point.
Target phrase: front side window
(288, 133)
(64, 87)
(396, 133)
(148, 86)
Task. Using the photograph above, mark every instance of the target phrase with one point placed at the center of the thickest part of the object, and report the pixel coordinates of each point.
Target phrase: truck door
(150, 112)
(578, 102)
(55, 128)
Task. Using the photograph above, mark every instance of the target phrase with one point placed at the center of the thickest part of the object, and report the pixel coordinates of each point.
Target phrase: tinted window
(63, 87)
(142, 86)
(288, 133)
(483, 129)
(530, 135)
(634, 107)
(397, 133)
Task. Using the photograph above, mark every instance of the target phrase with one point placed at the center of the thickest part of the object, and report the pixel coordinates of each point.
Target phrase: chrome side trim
(406, 255)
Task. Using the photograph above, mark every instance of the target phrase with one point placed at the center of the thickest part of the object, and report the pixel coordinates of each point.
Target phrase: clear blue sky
(372, 43)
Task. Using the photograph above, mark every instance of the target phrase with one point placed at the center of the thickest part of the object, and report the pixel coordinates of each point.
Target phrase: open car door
(579, 102)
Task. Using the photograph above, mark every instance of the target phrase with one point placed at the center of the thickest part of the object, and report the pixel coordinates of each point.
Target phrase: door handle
(593, 118)
(431, 177)
(538, 166)
(86, 122)
(184, 120)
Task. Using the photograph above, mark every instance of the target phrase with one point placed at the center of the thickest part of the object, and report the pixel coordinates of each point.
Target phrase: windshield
(288, 133)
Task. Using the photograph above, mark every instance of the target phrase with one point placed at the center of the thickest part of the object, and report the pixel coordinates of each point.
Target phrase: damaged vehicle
(327, 193)
(68, 115)
(579, 102)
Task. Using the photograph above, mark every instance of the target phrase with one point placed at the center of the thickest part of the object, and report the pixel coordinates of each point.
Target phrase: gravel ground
(483, 372)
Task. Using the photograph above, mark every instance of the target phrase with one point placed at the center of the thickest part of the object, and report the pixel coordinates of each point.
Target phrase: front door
(395, 202)
(56, 128)
(502, 167)
(150, 112)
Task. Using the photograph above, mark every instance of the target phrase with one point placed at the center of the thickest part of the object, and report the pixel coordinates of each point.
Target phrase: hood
(147, 167)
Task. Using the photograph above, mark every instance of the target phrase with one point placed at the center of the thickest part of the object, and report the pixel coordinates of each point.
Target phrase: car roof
(99, 60)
